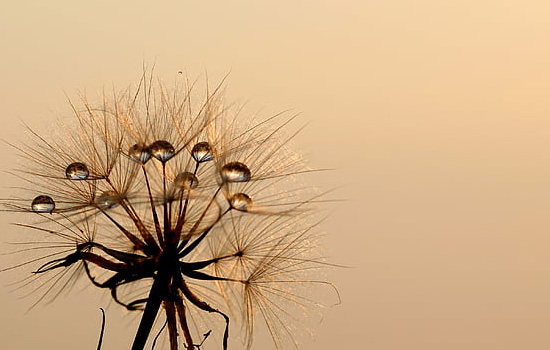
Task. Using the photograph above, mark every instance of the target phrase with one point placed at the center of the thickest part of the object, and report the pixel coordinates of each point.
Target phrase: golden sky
(434, 115)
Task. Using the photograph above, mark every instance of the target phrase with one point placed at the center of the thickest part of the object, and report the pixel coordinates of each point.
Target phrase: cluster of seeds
(162, 151)
(155, 205)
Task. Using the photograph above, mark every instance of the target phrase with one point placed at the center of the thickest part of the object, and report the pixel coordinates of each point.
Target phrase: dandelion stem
(149, 315)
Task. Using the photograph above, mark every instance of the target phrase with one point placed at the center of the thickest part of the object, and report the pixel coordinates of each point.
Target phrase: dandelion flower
(182, 208)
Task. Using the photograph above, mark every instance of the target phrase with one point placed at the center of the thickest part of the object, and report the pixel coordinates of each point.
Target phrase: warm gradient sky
(434, 114)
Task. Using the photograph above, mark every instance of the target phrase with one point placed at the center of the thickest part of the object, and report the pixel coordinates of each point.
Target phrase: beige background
(434, 114)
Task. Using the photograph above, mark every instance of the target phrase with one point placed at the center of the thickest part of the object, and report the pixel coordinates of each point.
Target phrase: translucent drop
(240, 201)
(77, 171)
(140, 153)
(201, 152)
(108, 200)
(235, 172)
(43, 204)
(186, 180)
(162, 150)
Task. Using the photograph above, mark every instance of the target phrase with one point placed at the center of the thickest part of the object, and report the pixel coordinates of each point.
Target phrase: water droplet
(201, 152)
(235, 172)
(240, 201)
(140, 153)
(162, 150)
(43, 204)
(108, 200)
(186, 180)
(77, 171)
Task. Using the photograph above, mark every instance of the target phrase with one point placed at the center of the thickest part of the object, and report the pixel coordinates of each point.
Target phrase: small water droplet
(240, 201)
(186, 180)
(77, 171)
(162, 150)
(201, 152)
(108, 200)
(140, 153)
(235, 172)
(43, 204)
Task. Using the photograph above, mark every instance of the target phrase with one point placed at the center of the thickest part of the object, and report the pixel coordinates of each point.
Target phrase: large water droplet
(235, 172)
(201, 152)
(140, 153)
(108, 200)
(43, 204)
(162, 150)
(77, 171)
(186, 180)
(240, 201)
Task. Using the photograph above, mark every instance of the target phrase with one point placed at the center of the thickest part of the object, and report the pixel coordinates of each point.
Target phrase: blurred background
(434, 115)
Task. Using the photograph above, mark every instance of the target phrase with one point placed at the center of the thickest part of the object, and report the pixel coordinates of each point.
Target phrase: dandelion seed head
(181, 230)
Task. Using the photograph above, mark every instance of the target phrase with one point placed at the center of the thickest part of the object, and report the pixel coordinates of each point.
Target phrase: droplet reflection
(162, 150)
(201, 152)
(186, 180)
(235, 172)
(43, 204)
(240, 201)
(77, 171)
(108, 200)
(140, 153)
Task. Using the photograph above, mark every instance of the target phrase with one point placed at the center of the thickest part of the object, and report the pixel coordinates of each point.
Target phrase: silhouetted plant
(177, 204)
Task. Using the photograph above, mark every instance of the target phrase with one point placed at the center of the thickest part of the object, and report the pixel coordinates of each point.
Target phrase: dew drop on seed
(201, 152)
(108, 200)
(235, 172)
(240, 201)
(77, 171)
(140, 153)
(162, 150)
(43, 204)
(186, 180)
